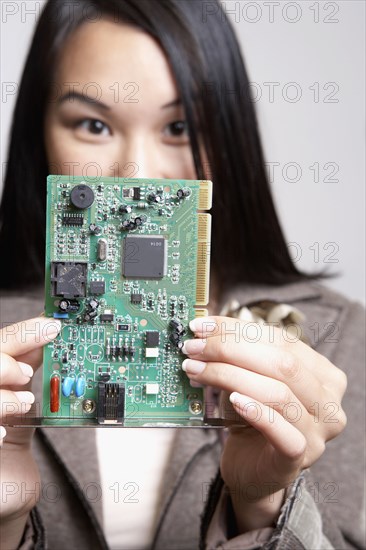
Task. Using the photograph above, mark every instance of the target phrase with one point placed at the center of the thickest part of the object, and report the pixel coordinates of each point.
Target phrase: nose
(139, 158)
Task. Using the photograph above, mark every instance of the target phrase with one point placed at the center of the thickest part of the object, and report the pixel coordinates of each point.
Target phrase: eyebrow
(71, 96)
(174, 103)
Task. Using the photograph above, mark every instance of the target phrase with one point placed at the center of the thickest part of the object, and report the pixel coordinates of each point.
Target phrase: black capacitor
(183, 193)
(93, 304)
(153, 197)
(125, 209)
(95, 229)
(82, 196)
(125, 350)
(138, 221)
(89, 315)
(177, 326)
(68, 305)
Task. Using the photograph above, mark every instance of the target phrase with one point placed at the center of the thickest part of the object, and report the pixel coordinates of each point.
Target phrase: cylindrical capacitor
(67, 386)
(55, 393)
(80, 386)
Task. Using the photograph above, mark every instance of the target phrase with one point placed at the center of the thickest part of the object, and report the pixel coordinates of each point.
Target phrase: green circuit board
(127, 268)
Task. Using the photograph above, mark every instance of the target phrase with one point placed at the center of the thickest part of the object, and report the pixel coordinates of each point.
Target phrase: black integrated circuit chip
(152, 338)
(106, 317)
(72, 219)
(136, 298)
(144, 256)
(68, 279)
(97, 287)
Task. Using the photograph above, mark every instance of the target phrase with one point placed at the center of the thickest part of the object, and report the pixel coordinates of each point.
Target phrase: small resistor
(142, 205)
(113, 349)
(108, 347)
(119, 347)
(55, 393)
(125, 350)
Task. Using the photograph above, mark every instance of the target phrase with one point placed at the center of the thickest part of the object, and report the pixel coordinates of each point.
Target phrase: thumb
(24, 341)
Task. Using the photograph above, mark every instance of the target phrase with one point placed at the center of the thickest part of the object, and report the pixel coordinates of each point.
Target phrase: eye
(94, 126)
(177, 132)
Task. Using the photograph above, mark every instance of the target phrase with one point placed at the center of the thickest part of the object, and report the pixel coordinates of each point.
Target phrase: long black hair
(248, 243)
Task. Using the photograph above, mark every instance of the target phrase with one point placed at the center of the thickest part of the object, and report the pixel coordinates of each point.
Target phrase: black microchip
(136, 298)
(68, 279)
(72, 219)
(97, 287)
(136, 193)
(144, 256)
(152, 338)
(106, 317)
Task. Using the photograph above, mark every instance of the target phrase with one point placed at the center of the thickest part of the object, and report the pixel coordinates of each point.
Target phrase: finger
(24, 337)
(289, 443)
(15, 403)
(253, 332)
(14, 372)
(272, 362)
(2, 435)
(261, 388)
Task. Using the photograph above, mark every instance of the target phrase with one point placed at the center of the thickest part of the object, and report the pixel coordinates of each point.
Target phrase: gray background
(306, 63)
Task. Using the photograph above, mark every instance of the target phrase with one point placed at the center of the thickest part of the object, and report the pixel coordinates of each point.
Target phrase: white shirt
(132, 464)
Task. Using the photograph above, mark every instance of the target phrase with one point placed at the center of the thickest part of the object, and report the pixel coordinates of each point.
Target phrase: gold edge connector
(203, 259)
(205, 195)
(200, 312)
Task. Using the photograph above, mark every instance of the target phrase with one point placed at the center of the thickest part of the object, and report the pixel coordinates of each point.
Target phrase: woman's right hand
(20, 357)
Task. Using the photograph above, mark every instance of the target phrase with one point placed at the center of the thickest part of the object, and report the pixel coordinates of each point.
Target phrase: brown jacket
(325, 508)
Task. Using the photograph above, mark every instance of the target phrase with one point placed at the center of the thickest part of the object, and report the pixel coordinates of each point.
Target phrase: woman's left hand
(289, 397)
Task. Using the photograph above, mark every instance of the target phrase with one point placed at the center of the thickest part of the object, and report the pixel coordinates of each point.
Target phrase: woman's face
(115, 109)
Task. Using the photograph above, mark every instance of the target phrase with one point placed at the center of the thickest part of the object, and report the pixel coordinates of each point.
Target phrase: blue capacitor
(67, 385)
(80, 386)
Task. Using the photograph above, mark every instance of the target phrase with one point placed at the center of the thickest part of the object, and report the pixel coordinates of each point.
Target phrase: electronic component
(144, 256)
(111, 399)
(136, 298)
(68, 305)
(97, 287)
(152, 338)
(71, 218)
(126, 270)
(102, 250)
(106, 317)
(123, 327)
(68, 279)
(54, 393)
(136, 193)
(81, 196)
(152, 388)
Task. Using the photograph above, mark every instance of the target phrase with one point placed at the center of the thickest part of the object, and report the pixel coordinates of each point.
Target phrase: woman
(139, 84)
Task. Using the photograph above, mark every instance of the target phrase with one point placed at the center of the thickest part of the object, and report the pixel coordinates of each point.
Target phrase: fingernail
(26, 397)
(239, 399)
(203, 324)
(51, 328)
(26, 369)
(191, 347)
(2, 432)
(193, 367)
